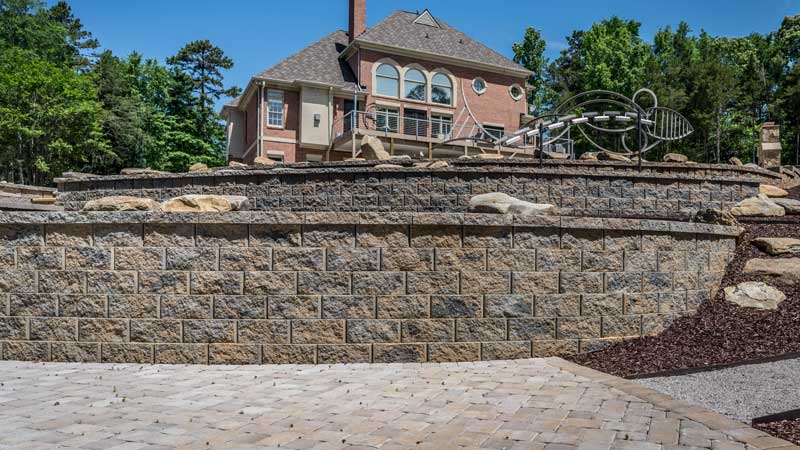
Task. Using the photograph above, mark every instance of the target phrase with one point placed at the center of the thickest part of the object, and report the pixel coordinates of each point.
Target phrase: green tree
(50, 119)
(530, 54)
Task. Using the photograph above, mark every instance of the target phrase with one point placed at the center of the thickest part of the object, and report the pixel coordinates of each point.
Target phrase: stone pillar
(769, 149)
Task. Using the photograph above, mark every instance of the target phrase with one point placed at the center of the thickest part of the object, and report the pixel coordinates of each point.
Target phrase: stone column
(769, 149)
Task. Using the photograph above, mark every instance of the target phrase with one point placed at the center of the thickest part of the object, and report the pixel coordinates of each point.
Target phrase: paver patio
(528, 404)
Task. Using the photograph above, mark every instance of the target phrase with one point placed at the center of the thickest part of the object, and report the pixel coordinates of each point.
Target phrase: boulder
(752, 166)
(77, 175)
(735, 161)
(147, 171)
(760, 206)
(122, 203)
(778, 246)
(432, 165)
(715, 217)
(388, 166)
(499, 203)
(206, 203)
(262, 161)
(675, 158)
(237, 165)
(784, 269)
(611, 156)
(355, 159)
(553, 155)
(489, 156)
(589, 156)
(372, 149)
(791, 206)
(466, 157)
(199, 168)
(753, 294)
(401, 158)
(772, 191)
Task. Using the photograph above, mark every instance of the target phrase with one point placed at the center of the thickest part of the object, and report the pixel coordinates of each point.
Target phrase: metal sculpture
(652, 126)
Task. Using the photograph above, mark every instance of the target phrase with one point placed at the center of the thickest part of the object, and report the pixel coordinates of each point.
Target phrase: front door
(415, 122)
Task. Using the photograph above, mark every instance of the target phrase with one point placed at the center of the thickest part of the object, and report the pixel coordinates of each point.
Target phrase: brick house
(412, 80)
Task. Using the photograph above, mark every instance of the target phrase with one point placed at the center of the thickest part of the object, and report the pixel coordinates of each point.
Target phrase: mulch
(720, 332)
(784, 429)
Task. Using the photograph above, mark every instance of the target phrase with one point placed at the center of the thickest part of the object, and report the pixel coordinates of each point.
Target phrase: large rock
(715, 217)
(675, 158)
(760, 206)
(372, 149)
(489, 156)
(772, 191)
(778, 246)
(388, 166)
(784, 269)
(432, 165)
(735, 161)
(122, 203)
(611, 156)
(589, 156)
(262, 161)
(199, 168)
(77, 175)
(791, 206)
(554, 155)
(499, 203)
(206, 203)
(148, 171)
(237, 165)
(752, 294)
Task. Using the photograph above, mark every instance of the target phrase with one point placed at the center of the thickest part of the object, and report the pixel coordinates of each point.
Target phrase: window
(516, 92)
(387, 119)
(441, 89)
(275, 155)
(387, 81)
(414, 85)
(479, 85)
(275, 108)
(494, 132)
(441, 126)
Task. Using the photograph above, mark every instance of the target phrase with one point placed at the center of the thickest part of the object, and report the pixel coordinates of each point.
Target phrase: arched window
(414, 85)
(387, 81)
(441, 89)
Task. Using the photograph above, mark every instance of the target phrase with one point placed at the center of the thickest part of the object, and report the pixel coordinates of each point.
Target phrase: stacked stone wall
(276, 287)
(579, 189)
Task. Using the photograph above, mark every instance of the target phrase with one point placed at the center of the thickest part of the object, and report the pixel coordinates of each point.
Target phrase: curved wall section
(256, 287)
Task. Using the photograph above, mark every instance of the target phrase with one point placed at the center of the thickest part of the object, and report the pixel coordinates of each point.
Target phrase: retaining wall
(271, 287)
(575, 186)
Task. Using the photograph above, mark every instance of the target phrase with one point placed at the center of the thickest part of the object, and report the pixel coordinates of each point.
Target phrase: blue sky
(258, 33)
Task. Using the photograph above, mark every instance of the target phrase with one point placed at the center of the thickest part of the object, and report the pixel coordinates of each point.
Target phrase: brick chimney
(358, 18)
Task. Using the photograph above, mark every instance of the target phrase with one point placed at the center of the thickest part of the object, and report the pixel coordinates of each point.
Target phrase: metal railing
(412, 126)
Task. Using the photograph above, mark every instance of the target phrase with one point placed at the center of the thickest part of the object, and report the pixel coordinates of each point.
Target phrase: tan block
(290, 354)
(234, 354)
(454, 352)
(339, 354)
(505, 350)
(318, 331)
(181, 354)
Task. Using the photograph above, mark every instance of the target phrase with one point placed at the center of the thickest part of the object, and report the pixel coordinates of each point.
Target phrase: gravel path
(743, 393)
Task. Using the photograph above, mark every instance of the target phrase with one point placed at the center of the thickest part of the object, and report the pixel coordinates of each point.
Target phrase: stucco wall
(329, 288)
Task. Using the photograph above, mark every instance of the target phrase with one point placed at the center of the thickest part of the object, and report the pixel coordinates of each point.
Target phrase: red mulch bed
(720, 332)
(788, 430)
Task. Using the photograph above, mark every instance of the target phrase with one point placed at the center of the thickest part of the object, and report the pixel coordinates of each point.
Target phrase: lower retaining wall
(255, 287)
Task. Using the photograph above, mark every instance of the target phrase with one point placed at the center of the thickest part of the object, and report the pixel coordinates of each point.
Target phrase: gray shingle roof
(399, 30)
(319, 62)
(234, 103)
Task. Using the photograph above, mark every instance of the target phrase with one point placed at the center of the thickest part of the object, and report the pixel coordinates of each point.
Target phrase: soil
(788, 430)
(720, 332)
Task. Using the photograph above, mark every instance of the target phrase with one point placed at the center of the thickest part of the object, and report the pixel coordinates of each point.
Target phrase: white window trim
(485, 86)
(283, 109)
(376, 76)
(521, 96)
(426, 83)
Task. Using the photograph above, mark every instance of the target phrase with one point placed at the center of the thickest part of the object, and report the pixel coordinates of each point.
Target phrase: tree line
(67, 106)
(726, 87)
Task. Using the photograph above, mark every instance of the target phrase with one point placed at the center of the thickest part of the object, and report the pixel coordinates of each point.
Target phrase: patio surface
(528, 404)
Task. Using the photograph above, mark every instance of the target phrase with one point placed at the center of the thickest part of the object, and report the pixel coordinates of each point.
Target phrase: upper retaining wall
(576, 186)
(271, 287)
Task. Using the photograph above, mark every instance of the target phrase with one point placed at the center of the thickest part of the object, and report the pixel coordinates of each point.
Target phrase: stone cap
(362, 218)
(606, 169)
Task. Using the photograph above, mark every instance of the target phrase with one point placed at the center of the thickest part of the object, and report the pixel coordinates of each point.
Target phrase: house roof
(403, 29)
(318, 63)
